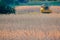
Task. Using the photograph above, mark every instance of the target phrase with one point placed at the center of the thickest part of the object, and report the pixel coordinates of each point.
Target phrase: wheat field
(30, 26)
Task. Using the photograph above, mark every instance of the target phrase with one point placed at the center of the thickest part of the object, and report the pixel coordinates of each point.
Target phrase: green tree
(4, 6)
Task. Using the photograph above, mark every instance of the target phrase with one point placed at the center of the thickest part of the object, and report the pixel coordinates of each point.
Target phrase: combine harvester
(45, 9)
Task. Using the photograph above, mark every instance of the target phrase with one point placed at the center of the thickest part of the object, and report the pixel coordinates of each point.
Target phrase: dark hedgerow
(6, 10)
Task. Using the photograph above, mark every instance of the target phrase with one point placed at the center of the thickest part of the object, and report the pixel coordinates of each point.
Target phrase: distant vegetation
(5, 7)
(18, 2)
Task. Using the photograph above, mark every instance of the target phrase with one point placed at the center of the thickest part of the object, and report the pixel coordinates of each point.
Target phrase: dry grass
(30, 26)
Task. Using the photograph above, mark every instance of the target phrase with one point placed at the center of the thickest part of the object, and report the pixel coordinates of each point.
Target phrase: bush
(6, 10)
